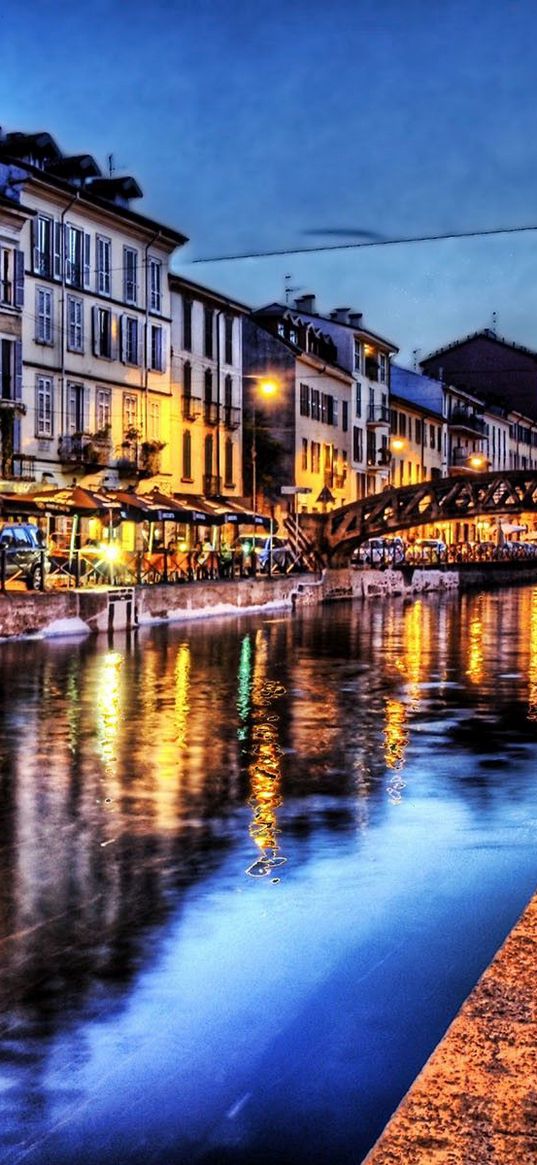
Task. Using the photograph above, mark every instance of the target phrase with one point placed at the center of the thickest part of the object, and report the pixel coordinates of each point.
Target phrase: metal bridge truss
(442, 500)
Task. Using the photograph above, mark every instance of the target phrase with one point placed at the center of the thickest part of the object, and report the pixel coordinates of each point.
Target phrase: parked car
(21, 547)
(427, 550)
(379, 551)
(282, 554)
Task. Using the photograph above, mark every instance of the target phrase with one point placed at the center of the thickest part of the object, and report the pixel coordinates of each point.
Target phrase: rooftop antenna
(415, 354)
(494, 322)
(111, 165)
(288, 289)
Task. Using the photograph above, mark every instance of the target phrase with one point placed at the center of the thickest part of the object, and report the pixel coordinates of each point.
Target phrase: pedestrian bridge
(443, 499)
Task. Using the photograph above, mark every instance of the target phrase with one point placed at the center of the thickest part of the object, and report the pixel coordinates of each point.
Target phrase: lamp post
(397, 444)
(268, 388)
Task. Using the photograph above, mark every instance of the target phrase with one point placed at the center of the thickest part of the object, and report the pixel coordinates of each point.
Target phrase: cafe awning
(71, 501)
(224, 511)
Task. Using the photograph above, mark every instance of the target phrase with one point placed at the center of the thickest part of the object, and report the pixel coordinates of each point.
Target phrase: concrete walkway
(475, 1101)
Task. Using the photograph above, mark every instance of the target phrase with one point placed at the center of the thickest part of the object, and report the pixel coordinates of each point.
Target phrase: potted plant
(149, 457)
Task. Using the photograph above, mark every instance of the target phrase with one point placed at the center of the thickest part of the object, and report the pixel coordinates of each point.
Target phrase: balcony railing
(210, 412)
(17, 467)
(462, 459)
(460, 419)
(232, 417)
(84, 449)
(211, 485)
(378, 415)
(191, 407)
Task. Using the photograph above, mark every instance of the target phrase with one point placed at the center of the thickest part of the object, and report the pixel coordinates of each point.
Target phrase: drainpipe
(218, 318)
(62, 307)
(145, 369)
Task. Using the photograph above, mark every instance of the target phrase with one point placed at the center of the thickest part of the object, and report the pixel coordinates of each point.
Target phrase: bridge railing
(455, 554)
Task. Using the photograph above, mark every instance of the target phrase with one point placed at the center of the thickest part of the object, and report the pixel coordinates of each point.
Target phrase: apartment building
(96, 321)
(206, 382)
(366, 357)
(417, 429)
(13, 219)
(299, 437)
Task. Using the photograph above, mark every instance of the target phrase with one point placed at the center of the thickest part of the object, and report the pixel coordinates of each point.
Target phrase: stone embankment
(475, 1101)
(101, 610)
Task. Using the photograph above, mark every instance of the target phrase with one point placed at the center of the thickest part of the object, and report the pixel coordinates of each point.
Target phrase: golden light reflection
(475, 669)
(109, 683)
(264, 770)
(395, 734)
(182, 689)
(532, 663)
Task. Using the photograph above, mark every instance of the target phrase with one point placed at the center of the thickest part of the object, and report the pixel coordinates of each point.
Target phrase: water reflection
(143, 782)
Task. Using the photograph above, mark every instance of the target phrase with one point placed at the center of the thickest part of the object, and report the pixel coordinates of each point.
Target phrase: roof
(85, 195)
(483, 334)
(276, 309)
(298, 352)
(180, 283)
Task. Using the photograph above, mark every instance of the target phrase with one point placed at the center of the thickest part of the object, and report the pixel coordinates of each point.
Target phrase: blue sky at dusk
(248, 125)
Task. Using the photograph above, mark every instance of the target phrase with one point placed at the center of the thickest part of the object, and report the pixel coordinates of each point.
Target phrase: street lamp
(397, 444)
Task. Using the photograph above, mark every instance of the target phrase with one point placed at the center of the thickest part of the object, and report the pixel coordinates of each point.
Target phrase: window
(76, 411)
(371, 407)
(130, 412)
(402, 424)
(327, 408)
(228, 393)
(432, 435)
(357, 356)
(11, 276)
(315, 404)
(315, 456)
(155, 285)
(104, 265)
(130, 340)
(187, 325)
(228, 340)
(304, 400)
(153, 420)
(102, 332)
(439, 439)
(44, 387)
(75, 324)
(77, 256)
(371, 448)
(44, 246)
(103, 409)
(130, 275)
(304, 453)
(383, 368)
(187, 379)
(358, 400)
(156, 348)
(357, 444)
(208, 386)
(208, 316)
(187, 456)
(208, 455)
(345, 416)
(43, 316)
(418, 431)
(228, 463)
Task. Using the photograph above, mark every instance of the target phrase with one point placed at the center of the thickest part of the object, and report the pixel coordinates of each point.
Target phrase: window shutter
(114, 336)
(57, 250)
(95, 329)
(163, 352)
(35, 245)
(19, 279)
(87, 260)
(17, 379)
(123, 339)
(140, 343)
(85, 409)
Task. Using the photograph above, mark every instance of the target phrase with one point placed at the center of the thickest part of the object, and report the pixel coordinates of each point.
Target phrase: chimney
(355, 318)
(340, 315)
(306, 303)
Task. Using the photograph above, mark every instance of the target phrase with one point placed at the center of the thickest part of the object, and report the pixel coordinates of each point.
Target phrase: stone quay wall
(103, 610)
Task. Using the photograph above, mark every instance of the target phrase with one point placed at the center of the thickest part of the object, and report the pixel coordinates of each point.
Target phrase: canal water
(250, 869)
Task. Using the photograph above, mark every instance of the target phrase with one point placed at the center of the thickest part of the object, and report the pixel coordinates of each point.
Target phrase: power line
(366, 243)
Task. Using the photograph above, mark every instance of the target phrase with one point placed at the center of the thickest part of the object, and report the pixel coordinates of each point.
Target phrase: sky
(249, 125)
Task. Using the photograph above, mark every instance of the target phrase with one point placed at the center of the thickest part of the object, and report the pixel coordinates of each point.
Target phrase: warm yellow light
(110, 551)
(397, 444)
(268, 387)
(477, 461)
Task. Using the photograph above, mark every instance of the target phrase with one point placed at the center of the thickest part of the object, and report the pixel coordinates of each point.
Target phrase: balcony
(210, 412)
(378, 417)
(191, 407)
(211, 485)
(467, 422)
(17, 467)
(88, 450)
(149, 458)
(232, 417)
(468, 460)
